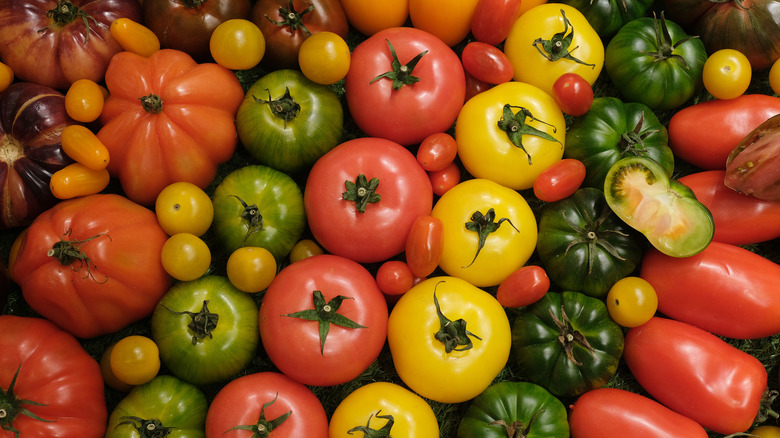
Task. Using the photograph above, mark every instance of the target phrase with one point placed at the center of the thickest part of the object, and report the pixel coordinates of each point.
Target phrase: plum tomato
(135, 360)
(523, 287)
(487, 63)
(437, 151)
(134, 36)
(560, 180)
(632, 301)
(573, 94)
(251, 268)
(183, 207)
(727, 74)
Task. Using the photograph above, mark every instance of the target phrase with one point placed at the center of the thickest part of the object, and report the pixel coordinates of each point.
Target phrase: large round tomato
(449, 20)
(362, 197)
(323, 320)
(101, 253)
(369, 18)
(404, 84)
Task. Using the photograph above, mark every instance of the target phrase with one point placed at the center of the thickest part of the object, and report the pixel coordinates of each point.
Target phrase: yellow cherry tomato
(632, 301)
(108, 374)
(766, 432)
(84, 100)
(134, 36)
(727, 74)
(324, 58)
(6, 76)
(183, 207)
(251, 268)
(185, 256)
(135, 360)
(304, 248)
(774, 77)
(76, 180)
(83, 146)
(237, 44)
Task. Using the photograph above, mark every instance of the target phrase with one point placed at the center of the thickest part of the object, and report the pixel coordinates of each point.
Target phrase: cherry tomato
(632, 301)
(474, 86)
(304, 248)
(251, 268)
(134, 37)
(523, 287)
(560, 180)
(573, 94)
(766, 432)
(394, 277)
(727, 74)
(185, 256)
(445, 179)
(487, 63)
(774, 77)
(324, 58)
(6, 76)
(237, 44)
(108, 374)
(84, 100)
(424, 245)
(76, 180)
(83, 146)
(135, 360)
(183, 207)
(437, 151)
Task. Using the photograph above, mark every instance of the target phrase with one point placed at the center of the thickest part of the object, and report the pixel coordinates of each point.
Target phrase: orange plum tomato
(185, 256)
(251, 268)
(183, 207)
(324, 58)
(487, 63)
(84, 100)
(523, 287)
(83, 146)
(134, 37)
(632, 301)
(424, 245)
(135, 360)
(76, 179)
(573, 94)
(560, 180)
(394, 277)
(727, 74)
(237, 44)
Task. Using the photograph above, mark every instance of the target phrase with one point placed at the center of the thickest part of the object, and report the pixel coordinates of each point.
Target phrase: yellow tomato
(6, 76)
(632, 301)
(83, 146)
(304, 248)
(108, 374)
(76, 180)
(774, 77)
(766, 432)
(727, 74)
(324, 58)
(134, 36)
(135, 360)
(371, 17)
(183, 207)
(251, 268)
(237, 44)
(449, 20)
(185, 256)
(84, 100)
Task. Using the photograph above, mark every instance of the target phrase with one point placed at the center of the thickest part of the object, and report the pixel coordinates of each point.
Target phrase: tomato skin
(304, 248)
(487, 63)
(632, 301)
(84, 100)
(766, 432)
(616, 412)
(83, 146)
(437, 151)
(76, 180)
(185, 256)
(237, 44)
(135, 360)
(608, 16)
(774, 77)
(424, 245)
(696, 374)
(493, 19)
(443, 180)
(560, 180)
(183, 207)
(727, 74)
(370, 18)
(6, 76)
(134, 37)
(394, 277)
(325, 58)
(251, 269)
(450, 21)
(573, 94)
(523, 287)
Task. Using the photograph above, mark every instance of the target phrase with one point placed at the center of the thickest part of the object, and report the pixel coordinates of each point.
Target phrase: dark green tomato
(584, 246)
(206, 329)
(567, 343)
(525, 407)
(259, 206)
(611, 130)
(654, 62)
(287, 121)
(608, 16)
(164, 404)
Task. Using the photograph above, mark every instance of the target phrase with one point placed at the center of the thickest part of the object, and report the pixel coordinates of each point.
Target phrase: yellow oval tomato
(76, 180)
(6, 76)
(183, 207)
(134, 37)
(374, 405)
(449, 20)
(251, 268)
(766, 432)
(84, 100)
(83, 146)
(551, 39)
(632, 301)
(510, 134)
(727, 74)
(135, 360)
(324, 58)
(237, 44)
(774, 77)
(371, 17)
(185, 256)
(304, 248)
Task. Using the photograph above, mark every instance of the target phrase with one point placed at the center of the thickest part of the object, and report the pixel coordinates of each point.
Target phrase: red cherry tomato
(493, 19)
(424, 245)
(487, 63)
(394, 277)
(474, 86)
(437, 151)
(445, 179)
(560, 180)
(523, 287)
(573, 94)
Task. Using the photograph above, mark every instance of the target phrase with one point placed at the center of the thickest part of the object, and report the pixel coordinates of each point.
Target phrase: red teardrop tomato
(560, 180)
(573, 94)
(487, 63)
(424, 245)
(523, 287)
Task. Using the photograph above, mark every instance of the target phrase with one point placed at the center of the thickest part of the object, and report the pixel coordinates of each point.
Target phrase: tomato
(424, 245)
(135, 360)
(437, 151)
(185, 256)
(493, 19)
(82, 145)
(370, 18)
(727, 74)
(108, 374)
(165, 405)
(443, 180)
(525, 286)
(487, 63)
(510, 133)
(237, 44)
(104, 278)
(206, 330)
(251, 268)
(696, 374)
(474, 86)
(394, 277)
(632, 301)
(774, 77)
(304, 248)
(268, 403)
(404, 77)
(6, 76)
(725, 289)
(552, 39)
(134, 37)
(604, 411)
(287, 122)
(324, 58)
(560, 180)
(750, 167)
(167, 119)
(371, 190)
(84, 100)
(183, 207)
(766, 432)
(49, 385)
(5, 284)
(76, 179)
(608, 16)
(573, 94)
(323, 320)
(447, 20)
(386, 408)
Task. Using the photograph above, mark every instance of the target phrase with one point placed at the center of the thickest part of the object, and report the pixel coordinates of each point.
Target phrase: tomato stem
(325, 313)
(515, 126)
(557, 47)
(569, 337)
(362, 192)
(263, 427)
(632, 142)
(12, 406)
(285, 107)
(401, 74)
(292, 18)
(592, 235)
(151, 103)
(146, 428)
(517, 429)
(664, 42)
(202, 324)
(483, 225)
(69, 252)
(64, 13)
(384, 432)
(251, 215)
(452, 334)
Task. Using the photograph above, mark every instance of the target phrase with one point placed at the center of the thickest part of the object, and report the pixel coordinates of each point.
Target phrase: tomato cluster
(413, 218)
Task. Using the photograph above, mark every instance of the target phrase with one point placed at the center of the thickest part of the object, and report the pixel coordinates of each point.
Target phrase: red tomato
(493, 19)
(487, 63)
(394, 277)
(401, 193)
(560, 180)
(263, 399)
(474, 86)
(424, 245)
(437, 151)
(445, 179)
(573, 94)
(523, 287)
(407, 100)
(345, 298)
(696, 374)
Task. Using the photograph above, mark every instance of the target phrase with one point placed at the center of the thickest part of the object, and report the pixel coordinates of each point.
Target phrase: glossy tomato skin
(55, 372)
(370, 18)
(241, 403)
(696, 374)
(437, 151)
(424, 245)
(493, 19)
(411, 113)
(487, 63)
(120, 281)
(523, 287)
(443, 180)
(608, 16)
(561, 180)
(57, 51)
(616, 412)
(380, 231)
(573, 94)
(449, 21)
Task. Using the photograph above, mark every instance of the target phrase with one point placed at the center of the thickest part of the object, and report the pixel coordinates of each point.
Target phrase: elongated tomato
(424, 245)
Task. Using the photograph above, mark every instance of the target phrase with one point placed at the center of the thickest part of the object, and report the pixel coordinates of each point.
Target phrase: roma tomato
(573, 94)
(560, 180)
(486, 63)
(493, 19)
(632, 301)
(76, 180)
(437, 151)
(404, 77)
(84, 100)
(134, 37)
(523, 287)
(363, 188)
(449, 21)
(237, 44)
(727, 74)
(369, 18)
(183, 207)
(82, 145)
(324, 58)
(323, 320)
(135, 360)
(424, 245)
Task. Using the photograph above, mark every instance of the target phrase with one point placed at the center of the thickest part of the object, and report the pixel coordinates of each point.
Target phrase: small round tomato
(304, 248)
(84, 100)
(237, 44)
(523, 287)
(487, 63)
(394, 277)
(185, 256)
(183, 207)
(324, 58)
(135, 360)
(766, 432)
(774, 77)
(573, 94)
(108, 374)
(443, 180)
(6, 76)
(437, 151)
(632, 301)
(251, 268)
(560, 180)
(727, 74)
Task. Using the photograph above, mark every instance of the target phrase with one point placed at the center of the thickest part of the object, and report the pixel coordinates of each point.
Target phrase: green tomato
(608, 16)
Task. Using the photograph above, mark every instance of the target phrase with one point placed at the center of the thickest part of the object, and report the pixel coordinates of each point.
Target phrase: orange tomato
(6, 76)
(134, 36)
(84, 100)
(76, 180)
(83, 146)
(448, 20)
(371, 17)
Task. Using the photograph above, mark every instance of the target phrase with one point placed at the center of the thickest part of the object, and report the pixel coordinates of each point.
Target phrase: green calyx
(292, 18)
(251, 217)
(570, 337)
(151, 103)
(401, 74)
(483, 225)
(285, 107)
(362, 192)
(12, 406)
(516, 126)
(264, 427)
(152, 428)
(452, 334)
(69, 253)
(517, 429)
(66, 12)
(632, 142)
(368, 432)
(203, 322)
(559, 46)
(666, 46)
(593, 236)
(326, 313)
